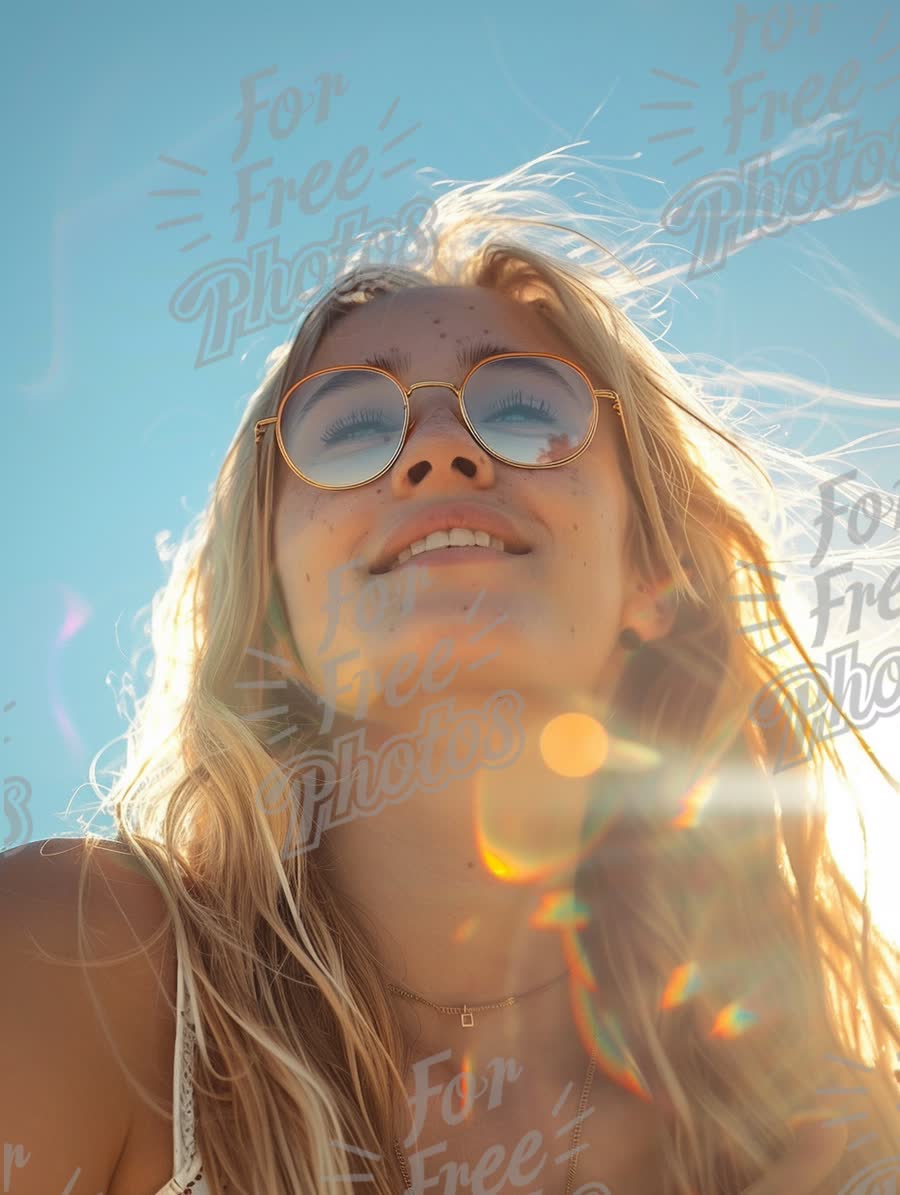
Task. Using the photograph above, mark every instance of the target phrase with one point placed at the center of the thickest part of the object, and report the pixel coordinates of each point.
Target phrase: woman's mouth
(453, 555)
(463, 527)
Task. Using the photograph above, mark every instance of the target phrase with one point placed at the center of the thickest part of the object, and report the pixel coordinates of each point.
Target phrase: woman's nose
(438, 440)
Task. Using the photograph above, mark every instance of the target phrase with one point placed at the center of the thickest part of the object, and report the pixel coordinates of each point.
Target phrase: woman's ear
(649, 609)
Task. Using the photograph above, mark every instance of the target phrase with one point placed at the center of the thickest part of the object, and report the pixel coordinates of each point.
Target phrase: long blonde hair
(297, 1043)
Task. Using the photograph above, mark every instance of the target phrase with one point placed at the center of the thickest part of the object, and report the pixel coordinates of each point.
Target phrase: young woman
(455, 854)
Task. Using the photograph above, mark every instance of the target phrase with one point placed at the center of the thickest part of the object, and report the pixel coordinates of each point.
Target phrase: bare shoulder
(78, 1044)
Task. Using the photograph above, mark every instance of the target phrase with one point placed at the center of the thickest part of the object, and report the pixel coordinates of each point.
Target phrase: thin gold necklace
(465, 1013)
(467, 1020)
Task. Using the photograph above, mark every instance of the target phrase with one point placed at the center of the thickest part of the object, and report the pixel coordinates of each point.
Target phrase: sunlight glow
(881, 809)
(574, 744)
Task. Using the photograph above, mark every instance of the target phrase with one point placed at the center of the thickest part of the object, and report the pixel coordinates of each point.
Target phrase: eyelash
(368, 416)
(518, 399)
(356, 418)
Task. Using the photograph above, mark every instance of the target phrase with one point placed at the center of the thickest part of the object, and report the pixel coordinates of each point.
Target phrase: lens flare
(581, 972)
(536, 822)
(467, 1093)
(602, 1035)
(693, 802)
(560, 910)
(574, 745)
(514, 854)
(77, 614)
(465, 930)
(684, 982)
(733, 1020)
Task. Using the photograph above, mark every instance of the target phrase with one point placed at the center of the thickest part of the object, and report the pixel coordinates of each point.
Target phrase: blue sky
(116, 433)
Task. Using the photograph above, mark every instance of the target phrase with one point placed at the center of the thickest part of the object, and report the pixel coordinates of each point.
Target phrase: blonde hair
(297, 1043)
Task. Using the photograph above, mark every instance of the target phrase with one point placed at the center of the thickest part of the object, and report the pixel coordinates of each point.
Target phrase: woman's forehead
(429, 316)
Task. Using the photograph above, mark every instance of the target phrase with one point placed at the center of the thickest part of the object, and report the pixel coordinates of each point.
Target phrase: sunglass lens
(530, 410)
(343, 427)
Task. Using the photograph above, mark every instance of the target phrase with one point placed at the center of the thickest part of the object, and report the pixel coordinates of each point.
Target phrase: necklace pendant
(466, 1019)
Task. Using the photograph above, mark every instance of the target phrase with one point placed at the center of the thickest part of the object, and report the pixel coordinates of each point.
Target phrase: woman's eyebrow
(400, 364)
(396, 363)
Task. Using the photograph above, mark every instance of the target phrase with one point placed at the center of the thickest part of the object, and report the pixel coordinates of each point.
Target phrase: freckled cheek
(313, 551)
(300, 549)
(305, 526)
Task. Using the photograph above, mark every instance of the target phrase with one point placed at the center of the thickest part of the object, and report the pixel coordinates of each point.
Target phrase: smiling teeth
(456, 537)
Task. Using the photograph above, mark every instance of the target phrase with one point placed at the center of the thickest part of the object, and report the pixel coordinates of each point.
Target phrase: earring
(629, 639)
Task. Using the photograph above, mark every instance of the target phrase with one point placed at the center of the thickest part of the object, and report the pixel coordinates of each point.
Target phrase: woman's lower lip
(441, 556)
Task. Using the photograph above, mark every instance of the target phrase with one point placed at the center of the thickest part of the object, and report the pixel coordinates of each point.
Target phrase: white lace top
(188, 1167)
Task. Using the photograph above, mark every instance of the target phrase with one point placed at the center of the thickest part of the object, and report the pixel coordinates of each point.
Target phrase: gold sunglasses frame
(409, 424)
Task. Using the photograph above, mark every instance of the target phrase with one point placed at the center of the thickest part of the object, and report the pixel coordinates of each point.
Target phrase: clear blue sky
(114, 435)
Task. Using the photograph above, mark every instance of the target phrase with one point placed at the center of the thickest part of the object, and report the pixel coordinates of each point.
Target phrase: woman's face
(544, 624)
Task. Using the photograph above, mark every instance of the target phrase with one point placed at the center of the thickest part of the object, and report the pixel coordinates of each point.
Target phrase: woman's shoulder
(55, 882)
(78, 1043)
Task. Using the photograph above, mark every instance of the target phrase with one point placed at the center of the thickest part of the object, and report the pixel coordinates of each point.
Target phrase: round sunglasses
(345, 426)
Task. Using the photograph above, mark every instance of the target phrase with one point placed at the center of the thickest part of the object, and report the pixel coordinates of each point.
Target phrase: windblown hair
(715, 868)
